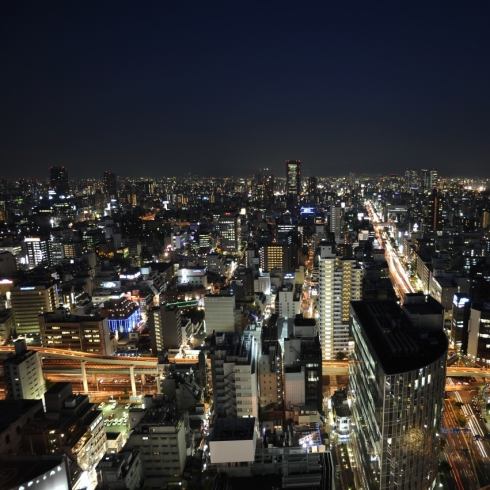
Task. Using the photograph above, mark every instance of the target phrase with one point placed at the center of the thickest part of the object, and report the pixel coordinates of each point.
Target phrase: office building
(219, 312)
(336, 222)
(429, 178)
(29, 300)
(165, 325)
(121, 471)
(479, 332)
(340, 282)
(397, 381)
(85, 333)
(24, 374)
(270, 368)
(293, 181)
(264, 186)
(229, 231)
(234, 374)
(37, 251)
(159, 437)
(303, 367)
(58, 180)
(288, 301)
(275, 257)
(459, 321)
(110, 184)
(436, 222)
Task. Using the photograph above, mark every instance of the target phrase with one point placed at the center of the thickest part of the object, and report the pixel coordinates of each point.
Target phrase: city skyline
(225, 90)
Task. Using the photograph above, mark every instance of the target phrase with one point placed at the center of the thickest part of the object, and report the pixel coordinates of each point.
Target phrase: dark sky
(168, 88)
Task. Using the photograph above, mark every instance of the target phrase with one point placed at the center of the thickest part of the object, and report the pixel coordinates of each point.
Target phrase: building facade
(397, 381)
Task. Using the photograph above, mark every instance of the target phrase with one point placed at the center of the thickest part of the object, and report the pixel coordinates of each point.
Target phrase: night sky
(168, 88)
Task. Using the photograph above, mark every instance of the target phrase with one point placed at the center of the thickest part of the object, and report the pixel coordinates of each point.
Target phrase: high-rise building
(160, 438)
(3, 212)
(37, 251)
(436, 222)
(288, 301)
(336, 222)
(293, 181)
(397, 381)
(229, 231)
(110, 184)
(165, 326)
(429, 179)
(479, 332)
(24, 374)
(29, 300)
(274, 257)
(270, 368)
(312, 189)
(219, 311)
(459, 321)
(340, 282)
(264, 186)
(303, 367)
(85, 333)
(234, 374)
(58, 180)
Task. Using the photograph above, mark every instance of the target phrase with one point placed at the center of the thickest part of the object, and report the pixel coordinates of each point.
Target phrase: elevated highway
(341, 368)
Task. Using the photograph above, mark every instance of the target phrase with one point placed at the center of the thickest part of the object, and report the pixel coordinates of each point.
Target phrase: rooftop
(11, 410)
(233, 429)
(395, 342)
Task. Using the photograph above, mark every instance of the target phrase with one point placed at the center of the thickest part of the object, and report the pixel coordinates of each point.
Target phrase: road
(465, 450)
(398, 275)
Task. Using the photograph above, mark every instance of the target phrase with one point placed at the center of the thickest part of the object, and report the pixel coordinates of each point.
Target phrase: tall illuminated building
(229, 231)
(479, 332)
(24, 374)
(29, 300)
(397, 377)
(429, 179)
(459, 321)
(293, 181)
(340, 282)
(274, 257)
(37, 251)
(58, 180)
(264, 186)
(336, 222)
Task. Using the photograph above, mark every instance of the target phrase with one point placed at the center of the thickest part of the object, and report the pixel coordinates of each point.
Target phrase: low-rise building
(120, 471)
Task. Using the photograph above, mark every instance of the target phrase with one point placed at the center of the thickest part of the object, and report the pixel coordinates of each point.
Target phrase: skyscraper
(397, 380)
(58, 180)
(429, 179)
(336, 222)
(340, 282)
(230, 233)
(264, 182)
(110, 184)
(293, 180)
(436, 211)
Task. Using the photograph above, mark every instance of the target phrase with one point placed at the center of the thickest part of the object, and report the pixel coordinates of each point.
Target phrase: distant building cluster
(276, 331)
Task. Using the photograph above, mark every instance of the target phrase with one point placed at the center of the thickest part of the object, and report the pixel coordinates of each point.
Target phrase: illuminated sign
(27, 288)
(307, 210)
